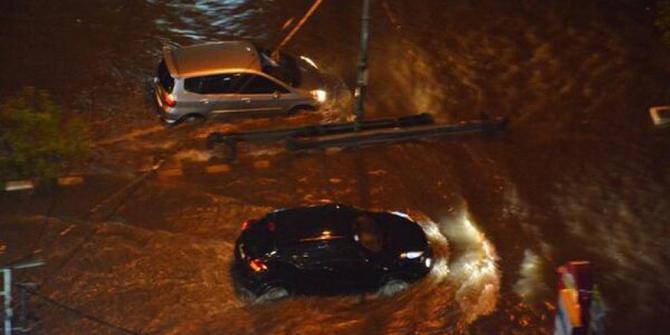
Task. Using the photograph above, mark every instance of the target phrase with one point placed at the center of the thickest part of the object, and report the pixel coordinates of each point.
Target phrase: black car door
(347, 266)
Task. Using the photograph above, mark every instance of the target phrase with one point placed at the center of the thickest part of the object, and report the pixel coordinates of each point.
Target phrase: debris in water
(221, 168)
(660, 115)
(264, 164)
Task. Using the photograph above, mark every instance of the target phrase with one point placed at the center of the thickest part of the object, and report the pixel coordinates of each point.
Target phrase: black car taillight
(257, 265)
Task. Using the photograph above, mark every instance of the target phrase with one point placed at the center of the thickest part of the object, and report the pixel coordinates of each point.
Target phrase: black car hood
(310, 78)
(401, 234)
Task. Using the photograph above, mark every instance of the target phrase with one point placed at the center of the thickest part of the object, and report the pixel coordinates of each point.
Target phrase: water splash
(472, 269)
(531, 283)
(193, 155)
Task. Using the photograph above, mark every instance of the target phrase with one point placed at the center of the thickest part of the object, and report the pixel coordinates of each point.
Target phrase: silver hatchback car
(233, 78)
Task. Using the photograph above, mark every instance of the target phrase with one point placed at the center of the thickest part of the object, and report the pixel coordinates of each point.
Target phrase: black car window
(317, 252)
(253, 84)
(368, 233)
(349, 251)
(215, 84)
(164, 77)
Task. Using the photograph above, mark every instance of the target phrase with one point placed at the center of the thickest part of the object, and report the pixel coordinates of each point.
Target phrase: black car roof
(331, 223)
(315, 223)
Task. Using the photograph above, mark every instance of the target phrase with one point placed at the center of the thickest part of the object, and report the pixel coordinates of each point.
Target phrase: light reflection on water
(208, 20)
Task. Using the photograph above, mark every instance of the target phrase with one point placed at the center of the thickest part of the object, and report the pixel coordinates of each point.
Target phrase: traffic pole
(310, 11)
(362, 81)
(22, 323)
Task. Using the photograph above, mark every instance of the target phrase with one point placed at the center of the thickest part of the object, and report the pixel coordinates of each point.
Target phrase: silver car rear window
(164, 77)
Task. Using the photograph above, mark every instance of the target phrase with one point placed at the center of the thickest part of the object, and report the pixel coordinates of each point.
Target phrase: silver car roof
(211, 58)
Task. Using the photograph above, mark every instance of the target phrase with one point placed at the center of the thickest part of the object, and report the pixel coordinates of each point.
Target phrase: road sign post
(7, 299)
(8, 313)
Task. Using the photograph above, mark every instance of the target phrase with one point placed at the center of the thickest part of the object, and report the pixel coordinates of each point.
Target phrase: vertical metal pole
(23, 316)
(7, 293)
(362, 82)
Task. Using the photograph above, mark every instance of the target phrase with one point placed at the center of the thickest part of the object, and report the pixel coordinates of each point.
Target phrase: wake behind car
(330, 249)
(233, 78)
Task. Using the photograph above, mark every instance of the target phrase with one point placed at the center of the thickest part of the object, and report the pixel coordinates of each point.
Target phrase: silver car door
(214, 94)
(261, 95)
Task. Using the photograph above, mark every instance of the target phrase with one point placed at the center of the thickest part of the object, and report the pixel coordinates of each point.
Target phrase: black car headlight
(428, 262)
(411, 254)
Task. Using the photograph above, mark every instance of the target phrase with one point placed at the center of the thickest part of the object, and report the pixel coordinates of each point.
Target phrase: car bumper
(247, 279)
(165, 117)
(243, 275)
(162, 111)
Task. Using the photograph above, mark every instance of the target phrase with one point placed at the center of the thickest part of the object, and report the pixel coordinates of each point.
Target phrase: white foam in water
(531, 283)
(471, 267)
(474, 268)
(440, 247)
(259, 152)
(193, 155)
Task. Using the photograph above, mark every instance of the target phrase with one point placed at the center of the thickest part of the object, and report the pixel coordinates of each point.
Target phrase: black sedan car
(330, 249)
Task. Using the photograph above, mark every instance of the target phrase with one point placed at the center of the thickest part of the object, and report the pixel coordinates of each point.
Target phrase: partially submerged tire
(193, 119)
(246, 295)
(392, 287)
(272, 293)
(301, 108)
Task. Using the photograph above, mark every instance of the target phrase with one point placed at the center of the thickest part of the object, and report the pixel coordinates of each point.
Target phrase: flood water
(581, 174)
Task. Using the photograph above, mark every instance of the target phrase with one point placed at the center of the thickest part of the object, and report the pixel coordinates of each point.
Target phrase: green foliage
(36, 140)
(663, 20)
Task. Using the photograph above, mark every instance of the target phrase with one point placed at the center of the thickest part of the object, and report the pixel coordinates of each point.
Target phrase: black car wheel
(392, 286)
(272, 293)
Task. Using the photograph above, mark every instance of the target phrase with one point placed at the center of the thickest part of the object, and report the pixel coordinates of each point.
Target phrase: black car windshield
(285, 68)
(368, 233)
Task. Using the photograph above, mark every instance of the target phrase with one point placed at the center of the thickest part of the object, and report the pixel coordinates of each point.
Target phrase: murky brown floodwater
(581, 174)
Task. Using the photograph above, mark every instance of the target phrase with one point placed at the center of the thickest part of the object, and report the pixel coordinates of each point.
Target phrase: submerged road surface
(581, 174)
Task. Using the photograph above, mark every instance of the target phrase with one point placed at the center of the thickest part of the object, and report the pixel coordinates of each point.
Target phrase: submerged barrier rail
(379, 131)
(229, 140)
(392, 135)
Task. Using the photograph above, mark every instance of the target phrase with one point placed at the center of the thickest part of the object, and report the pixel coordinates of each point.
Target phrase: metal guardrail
(6, 294)
(391, 135)
(229, 141)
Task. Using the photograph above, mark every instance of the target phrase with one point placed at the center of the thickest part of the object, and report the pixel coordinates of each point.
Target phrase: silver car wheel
(193, 119)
